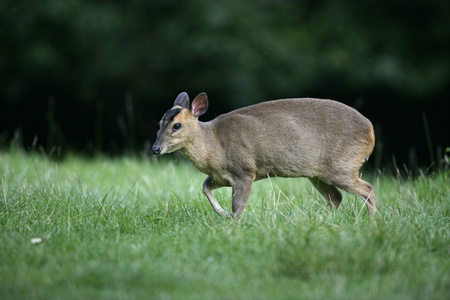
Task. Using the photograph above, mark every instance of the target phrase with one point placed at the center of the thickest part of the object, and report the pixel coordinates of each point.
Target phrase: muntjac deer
(323, 140)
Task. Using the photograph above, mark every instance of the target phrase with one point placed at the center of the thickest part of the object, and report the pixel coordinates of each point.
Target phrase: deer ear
(182, 100)
(199, 105)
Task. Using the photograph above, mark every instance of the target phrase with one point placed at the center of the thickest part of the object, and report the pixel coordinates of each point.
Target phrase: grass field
(137, 229)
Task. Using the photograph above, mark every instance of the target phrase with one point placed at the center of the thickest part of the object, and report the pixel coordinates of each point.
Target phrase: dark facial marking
(170, 114)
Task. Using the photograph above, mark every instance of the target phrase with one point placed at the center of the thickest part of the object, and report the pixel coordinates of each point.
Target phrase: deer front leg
(241, 192)
(208, 185)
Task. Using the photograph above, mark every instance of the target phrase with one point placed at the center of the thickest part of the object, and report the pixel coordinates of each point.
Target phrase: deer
(323, 140)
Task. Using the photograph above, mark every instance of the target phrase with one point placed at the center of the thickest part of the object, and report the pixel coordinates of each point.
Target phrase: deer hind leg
(208, 186)
(362, 189)
(331, 194)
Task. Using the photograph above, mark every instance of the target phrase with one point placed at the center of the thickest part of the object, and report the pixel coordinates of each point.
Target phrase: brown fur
(323, 140)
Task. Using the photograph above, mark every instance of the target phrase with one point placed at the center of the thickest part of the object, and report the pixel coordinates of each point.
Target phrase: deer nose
(156, 150)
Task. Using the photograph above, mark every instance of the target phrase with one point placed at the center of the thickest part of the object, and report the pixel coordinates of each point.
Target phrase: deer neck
(200, 148)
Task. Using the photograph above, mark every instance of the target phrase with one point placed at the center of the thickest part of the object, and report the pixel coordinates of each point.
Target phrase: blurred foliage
(82, 60)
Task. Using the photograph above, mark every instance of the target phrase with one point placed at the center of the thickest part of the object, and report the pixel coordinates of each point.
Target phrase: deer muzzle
(156, 149)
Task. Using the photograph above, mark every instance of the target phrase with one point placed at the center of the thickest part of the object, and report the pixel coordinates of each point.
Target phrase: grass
(129, 228)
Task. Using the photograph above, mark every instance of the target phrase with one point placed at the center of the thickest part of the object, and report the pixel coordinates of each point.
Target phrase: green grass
(138, 229)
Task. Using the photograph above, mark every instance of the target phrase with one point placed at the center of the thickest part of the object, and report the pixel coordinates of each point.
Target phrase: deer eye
(176, 126)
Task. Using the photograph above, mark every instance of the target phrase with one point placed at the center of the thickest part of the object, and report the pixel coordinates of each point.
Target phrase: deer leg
(364, 190)
(331, 194)
(241, 192)
(208, 185)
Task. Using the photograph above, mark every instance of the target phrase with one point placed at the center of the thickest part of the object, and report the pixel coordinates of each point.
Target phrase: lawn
(132, 228)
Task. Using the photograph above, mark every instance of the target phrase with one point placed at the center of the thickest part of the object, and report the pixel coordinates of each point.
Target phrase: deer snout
(156, 150)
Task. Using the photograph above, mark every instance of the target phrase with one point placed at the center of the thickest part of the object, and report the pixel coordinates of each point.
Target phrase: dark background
(96, 76)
